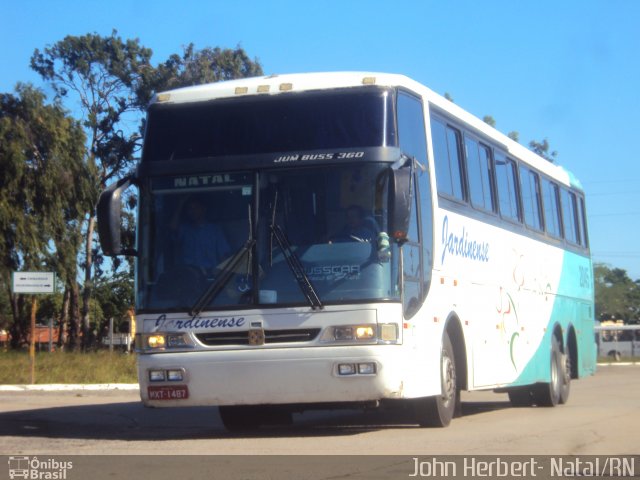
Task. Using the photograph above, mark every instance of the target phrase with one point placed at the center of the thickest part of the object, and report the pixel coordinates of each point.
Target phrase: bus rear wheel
(550, 394)
(438, 411)
(565, 383)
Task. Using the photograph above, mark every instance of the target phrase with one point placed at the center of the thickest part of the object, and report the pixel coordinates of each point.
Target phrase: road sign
(33, 282)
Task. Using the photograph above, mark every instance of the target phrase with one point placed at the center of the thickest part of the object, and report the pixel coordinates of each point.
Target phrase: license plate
(170, 392)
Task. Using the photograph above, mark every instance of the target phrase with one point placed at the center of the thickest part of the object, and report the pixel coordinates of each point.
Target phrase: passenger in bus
(198, 241)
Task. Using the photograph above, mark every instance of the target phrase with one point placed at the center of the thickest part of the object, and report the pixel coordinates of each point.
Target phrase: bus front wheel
(240, 418)
(438, 411)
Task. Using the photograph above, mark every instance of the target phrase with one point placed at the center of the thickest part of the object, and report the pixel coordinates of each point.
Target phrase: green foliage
(115, 297)
(195, 67)
(101, 73)
(489, 120)
(543, 149)
(616, 295)
(43, 188)
(514, 135)
(53, 167)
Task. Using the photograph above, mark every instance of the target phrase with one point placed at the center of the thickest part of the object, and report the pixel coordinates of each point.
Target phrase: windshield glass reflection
(333, 221)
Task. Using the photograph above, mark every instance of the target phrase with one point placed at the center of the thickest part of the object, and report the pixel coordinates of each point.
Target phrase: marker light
(388, 332)
(156, 341)
(369, 81)
(241, 90)
(286, 87)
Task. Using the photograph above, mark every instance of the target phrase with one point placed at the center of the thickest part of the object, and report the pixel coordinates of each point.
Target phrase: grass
(68, 367)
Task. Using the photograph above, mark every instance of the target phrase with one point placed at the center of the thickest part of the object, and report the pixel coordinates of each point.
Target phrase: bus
(348, 239)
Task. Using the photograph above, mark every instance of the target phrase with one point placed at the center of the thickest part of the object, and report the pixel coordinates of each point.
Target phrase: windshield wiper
(226, 273)
(222, 279)
(296, 267)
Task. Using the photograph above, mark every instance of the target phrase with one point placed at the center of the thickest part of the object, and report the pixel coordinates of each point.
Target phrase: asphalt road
(602, 417)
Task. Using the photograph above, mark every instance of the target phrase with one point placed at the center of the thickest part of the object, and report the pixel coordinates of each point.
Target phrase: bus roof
(299, 82)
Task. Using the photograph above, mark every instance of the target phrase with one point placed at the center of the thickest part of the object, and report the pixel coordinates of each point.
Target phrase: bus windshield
(331, 221)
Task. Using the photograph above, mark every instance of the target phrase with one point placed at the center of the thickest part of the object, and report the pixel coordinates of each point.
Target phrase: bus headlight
(365, 333)
(161, 342)
(156, 341)
(350, 333)
(385, 333)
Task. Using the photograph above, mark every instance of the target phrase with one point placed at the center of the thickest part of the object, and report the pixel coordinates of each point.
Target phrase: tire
(240, 418)
(438, 411)
(549, 394)
(565, 378)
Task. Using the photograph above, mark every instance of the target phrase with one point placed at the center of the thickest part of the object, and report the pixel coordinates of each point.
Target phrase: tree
(489, 120)
(514, 135)
(41, 172)
(195, 67)
(102, 74)
(542, 149)
(112, 81)
(616, 295)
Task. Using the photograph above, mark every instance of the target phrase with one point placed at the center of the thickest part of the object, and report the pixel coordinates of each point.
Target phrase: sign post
(35, 283)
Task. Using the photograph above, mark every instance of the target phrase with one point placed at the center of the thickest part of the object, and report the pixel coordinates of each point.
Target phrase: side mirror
(400, 201)
(110, 217)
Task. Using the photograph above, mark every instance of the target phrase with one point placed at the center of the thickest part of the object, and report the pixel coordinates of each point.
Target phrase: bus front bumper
(275, 376)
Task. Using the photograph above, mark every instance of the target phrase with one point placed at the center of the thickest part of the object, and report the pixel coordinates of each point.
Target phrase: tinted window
(446, 149)
(269, 123)
(570, 216)
(413, 141)
(583, 228)
(411, 127)
(551, 210)
(507, 180)
(480, 175)
(531, 198)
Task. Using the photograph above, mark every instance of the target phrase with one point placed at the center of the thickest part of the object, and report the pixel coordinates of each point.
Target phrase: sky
(568, 70)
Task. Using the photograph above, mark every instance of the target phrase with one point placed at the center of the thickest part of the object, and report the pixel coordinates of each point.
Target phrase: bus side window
(583, 226)
(551, 210)
(507, 180)
(480, 174)
(417, 250)
(531, 198)
(446, 150)
(570, 216)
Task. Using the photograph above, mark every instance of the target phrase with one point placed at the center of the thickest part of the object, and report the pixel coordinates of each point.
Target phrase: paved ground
(602, 417)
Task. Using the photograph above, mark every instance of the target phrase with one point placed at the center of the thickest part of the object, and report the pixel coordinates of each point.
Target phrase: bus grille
(214, 339)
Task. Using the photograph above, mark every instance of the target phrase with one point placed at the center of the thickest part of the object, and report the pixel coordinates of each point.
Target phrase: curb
(61, 387)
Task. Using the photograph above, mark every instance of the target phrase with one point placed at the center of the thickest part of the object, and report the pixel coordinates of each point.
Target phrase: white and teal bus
(345, 239)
